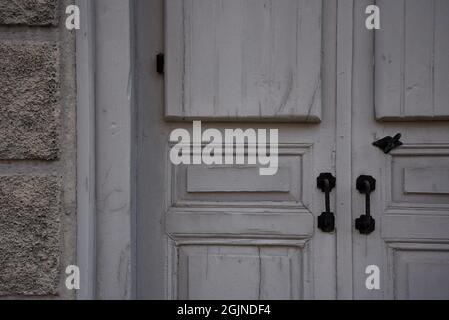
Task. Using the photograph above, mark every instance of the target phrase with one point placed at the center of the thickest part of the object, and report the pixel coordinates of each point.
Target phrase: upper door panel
(243, 60)
(412, 60)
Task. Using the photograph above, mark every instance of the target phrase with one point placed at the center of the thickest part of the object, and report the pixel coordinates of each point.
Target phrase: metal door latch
(388, 143)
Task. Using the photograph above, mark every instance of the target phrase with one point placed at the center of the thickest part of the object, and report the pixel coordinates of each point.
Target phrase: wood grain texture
(236, 179)
(243, 60)
(420, 270)
(412, 78)
(240, 272)
(426, 180)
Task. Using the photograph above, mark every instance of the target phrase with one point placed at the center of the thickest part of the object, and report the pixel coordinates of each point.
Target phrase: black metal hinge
(160, 63)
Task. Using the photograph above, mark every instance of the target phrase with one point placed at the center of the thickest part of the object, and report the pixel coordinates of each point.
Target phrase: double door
(304, 68)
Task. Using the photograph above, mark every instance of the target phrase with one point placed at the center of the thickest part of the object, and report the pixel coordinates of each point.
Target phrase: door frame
(85, 85)
(107, 149)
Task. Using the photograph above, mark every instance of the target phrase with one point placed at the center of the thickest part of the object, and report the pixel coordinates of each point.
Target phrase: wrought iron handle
(326, 221)
(366, 185)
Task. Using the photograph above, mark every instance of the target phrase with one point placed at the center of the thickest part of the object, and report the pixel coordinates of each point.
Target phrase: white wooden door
(224, 231)
(407, 92)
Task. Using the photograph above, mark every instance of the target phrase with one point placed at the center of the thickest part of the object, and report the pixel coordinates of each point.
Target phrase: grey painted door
(218, 232)
(408, 94)
(224, 231)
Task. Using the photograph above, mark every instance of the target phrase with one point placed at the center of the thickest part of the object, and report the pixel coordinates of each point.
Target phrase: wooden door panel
(230, 186)
(243, 60)
(419, 271)
(417, 178)
(415, 192)
(427, 181)
(234, 200)
(226, 225)
(240, 270)
(411, 61)
(413, 218)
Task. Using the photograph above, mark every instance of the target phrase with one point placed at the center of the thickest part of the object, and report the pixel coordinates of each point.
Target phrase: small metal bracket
(388, 143)
(160, 63)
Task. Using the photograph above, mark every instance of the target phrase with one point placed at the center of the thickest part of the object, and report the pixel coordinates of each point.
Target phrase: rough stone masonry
(37, 149)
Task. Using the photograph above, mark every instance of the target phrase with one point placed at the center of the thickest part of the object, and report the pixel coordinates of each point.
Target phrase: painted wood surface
(426, 180)
(243, 60)
(224, 231)
(412, 61)
(244, 237)
(410, 204)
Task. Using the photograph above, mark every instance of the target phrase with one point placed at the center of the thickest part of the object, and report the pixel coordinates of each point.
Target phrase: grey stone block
(29, 12)
(29, 235)
(29, 89)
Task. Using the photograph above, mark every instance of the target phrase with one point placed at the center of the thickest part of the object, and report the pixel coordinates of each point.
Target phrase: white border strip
(86, 195)
(345, 29)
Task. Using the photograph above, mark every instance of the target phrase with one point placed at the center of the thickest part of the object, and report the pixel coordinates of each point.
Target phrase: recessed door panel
(240, 272)
(421, 271)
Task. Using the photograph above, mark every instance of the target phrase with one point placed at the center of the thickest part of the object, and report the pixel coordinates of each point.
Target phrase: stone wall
(37, 149)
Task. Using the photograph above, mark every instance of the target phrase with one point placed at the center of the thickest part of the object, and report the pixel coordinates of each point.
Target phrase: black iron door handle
(366, 185)
(326, 221)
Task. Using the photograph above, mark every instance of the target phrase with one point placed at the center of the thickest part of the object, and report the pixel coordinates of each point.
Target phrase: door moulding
(86, 195)
(105, 168)
(344, 81)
